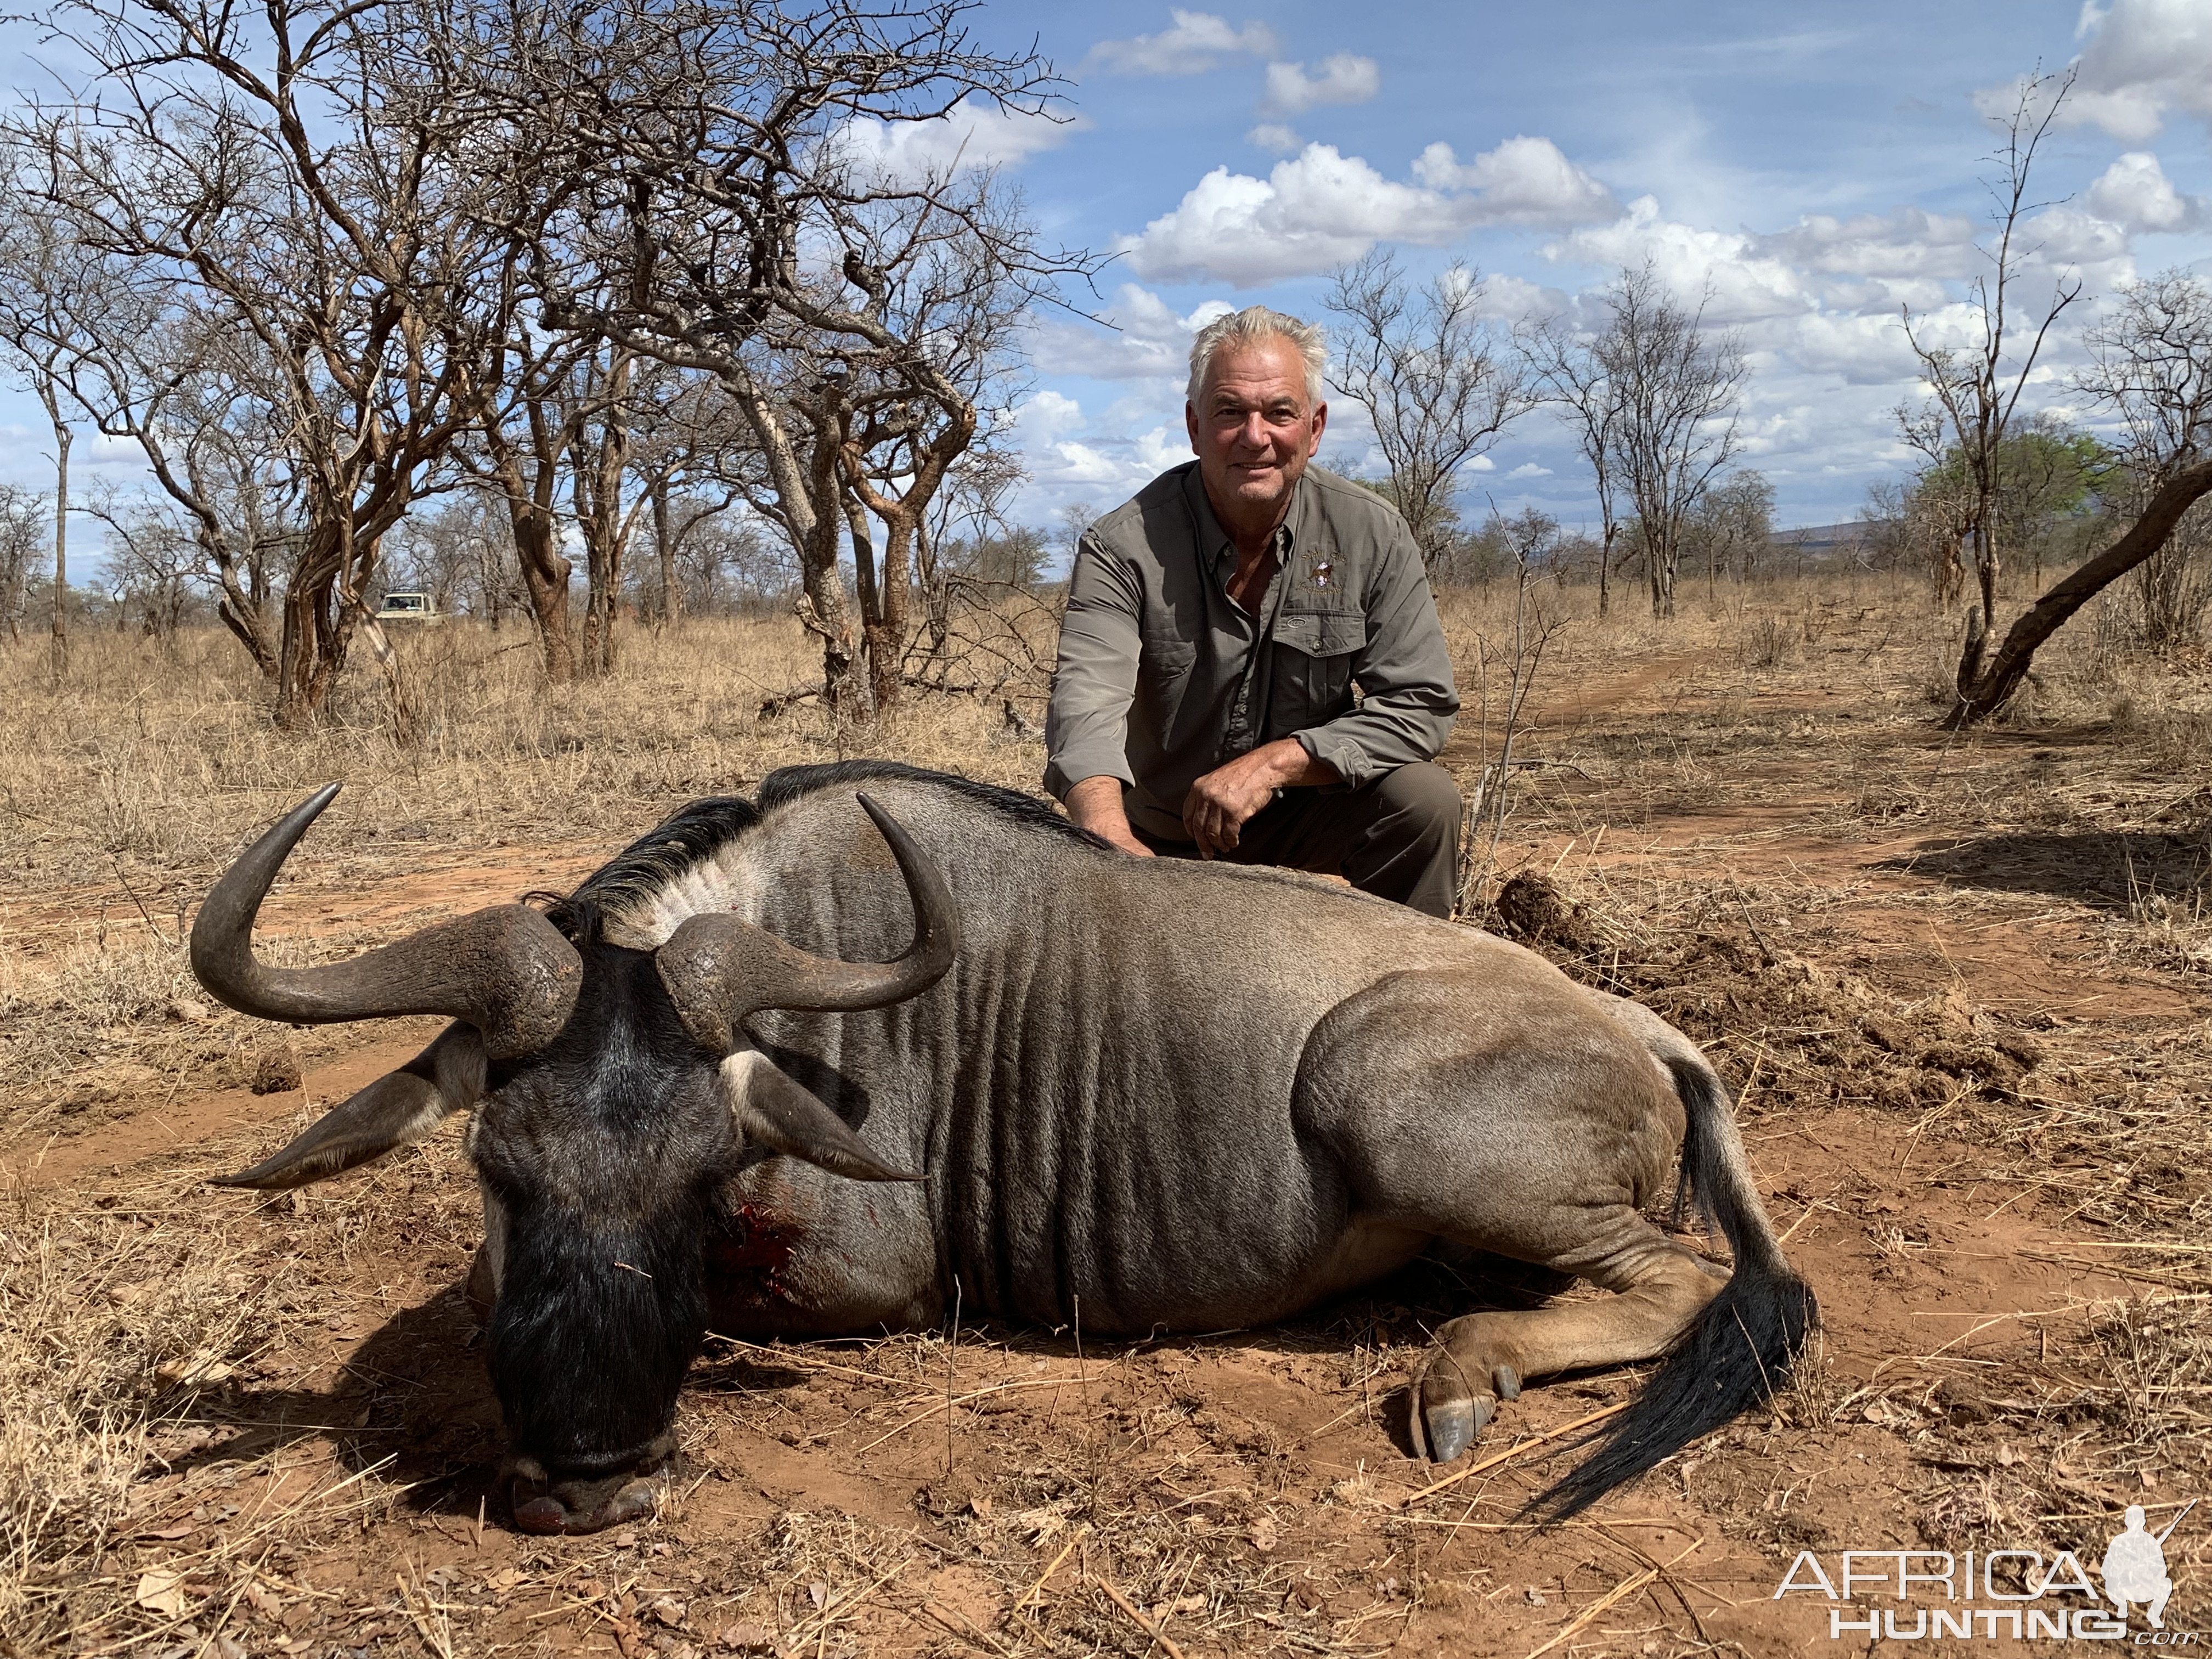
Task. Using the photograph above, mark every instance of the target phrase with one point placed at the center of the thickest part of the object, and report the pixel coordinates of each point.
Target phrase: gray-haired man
(1217, 624)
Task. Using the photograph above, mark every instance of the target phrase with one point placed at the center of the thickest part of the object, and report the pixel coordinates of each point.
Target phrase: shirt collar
(1213, 541)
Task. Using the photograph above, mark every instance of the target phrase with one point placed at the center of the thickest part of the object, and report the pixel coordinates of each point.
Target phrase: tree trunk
(1660, 560)
(1991, 687)
(663, 549)
(881, 594)
(530, 517)
(599, 516)
(323, 604)
(62, 439)
(822, 608)
(545, 581)
(936, 596)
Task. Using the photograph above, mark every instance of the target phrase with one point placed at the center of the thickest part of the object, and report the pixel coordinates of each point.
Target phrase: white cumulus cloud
(1908, 243)
(1726, 269)
(1343, 79)
(1322, 208)
(974, 134)
(2143, 58)
(1048, 416)
(1526, 181)
(1275, 138)
(2134, 194)
(1197, 41)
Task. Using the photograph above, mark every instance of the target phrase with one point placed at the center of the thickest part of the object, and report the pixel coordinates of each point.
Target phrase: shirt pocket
(1313, 655)
(1165, 661)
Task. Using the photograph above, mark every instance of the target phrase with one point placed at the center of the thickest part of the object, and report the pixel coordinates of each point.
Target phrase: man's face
(1253, 429)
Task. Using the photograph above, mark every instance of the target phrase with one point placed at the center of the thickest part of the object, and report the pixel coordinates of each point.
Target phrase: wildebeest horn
(720, 969)
(506, 971)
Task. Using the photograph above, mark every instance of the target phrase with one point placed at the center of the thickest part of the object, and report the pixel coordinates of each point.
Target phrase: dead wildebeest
(1156, 1093)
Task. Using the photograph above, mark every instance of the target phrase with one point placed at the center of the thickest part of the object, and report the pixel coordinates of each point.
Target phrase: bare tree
(209, 412)
(1733, 524)
(1976, 390)
(2153, 369)
(1570, 375)
(39, 270)
(713, 202)
(688, 435)
(154, 560)
(282, 171)
(1675, 390)
(20, 511)
(1437, 387)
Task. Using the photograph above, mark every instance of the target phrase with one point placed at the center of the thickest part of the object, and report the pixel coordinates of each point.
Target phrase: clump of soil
(1532, 909)
(277, 1071)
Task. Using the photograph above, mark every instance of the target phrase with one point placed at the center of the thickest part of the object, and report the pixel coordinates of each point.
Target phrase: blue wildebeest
(1152, 1093)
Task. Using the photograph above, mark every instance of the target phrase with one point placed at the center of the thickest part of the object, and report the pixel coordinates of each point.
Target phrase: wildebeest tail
(1741, 1348)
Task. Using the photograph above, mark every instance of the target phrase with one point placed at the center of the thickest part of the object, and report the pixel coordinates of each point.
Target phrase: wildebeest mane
(789, 783)
(697, 832)
(676, 844)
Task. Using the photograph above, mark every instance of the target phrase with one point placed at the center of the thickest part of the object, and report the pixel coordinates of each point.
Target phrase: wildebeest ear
(398, 1110)
(773, 1110)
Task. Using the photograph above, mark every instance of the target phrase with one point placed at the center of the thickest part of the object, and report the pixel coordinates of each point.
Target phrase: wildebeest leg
(1496, 1114)
(1658, 1288)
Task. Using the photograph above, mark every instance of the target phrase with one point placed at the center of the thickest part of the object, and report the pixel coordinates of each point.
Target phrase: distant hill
(1823, 541)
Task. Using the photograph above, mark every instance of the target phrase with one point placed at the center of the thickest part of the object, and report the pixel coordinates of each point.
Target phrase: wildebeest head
(613, 1090)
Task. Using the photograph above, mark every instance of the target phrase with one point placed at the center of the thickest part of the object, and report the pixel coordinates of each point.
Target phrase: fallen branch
(1143, 1623)
(775, 703)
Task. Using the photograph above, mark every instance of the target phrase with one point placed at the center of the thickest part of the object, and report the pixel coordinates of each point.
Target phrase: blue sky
(1816, 166)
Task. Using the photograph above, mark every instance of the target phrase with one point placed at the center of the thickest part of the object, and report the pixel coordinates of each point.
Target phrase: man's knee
(1423, 796)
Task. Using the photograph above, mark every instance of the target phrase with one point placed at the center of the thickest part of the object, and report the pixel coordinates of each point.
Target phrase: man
(1217, 624)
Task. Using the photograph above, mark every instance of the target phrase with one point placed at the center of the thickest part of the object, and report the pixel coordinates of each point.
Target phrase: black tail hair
(1738, 1351)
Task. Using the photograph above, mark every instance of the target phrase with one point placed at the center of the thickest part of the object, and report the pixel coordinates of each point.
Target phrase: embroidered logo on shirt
(1320, 571)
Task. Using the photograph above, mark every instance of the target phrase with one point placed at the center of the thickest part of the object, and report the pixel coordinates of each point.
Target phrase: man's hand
(1095, 804)
(1215, 810)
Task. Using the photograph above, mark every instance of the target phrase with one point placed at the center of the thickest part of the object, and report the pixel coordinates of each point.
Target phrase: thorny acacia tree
(1423, 365)
(720, 192)
(1976, 388)
(280, 170)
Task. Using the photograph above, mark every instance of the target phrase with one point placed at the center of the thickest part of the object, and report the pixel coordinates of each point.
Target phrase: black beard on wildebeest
(1172, 1095)
(602, 1155)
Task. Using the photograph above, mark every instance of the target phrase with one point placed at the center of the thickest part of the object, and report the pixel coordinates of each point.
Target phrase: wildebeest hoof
(1507, 1382)
(1453, 1425)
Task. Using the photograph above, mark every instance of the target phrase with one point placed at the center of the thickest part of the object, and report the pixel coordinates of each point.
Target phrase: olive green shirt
(1163, 676)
